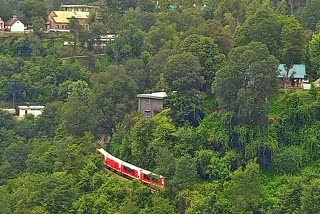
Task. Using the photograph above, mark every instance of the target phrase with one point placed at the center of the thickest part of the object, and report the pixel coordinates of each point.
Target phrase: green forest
(232, 139)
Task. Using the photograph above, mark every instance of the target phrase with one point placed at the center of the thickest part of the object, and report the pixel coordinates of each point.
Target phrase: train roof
(107, 154)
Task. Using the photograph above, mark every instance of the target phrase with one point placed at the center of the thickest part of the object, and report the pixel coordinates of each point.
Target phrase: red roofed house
(1, 24)
(14, 25)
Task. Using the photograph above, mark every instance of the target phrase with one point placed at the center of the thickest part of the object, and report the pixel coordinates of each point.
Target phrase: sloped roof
(63, 16)
(297, 71)
(11, 21)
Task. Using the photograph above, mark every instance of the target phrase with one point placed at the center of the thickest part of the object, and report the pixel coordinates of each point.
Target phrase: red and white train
(130, 171)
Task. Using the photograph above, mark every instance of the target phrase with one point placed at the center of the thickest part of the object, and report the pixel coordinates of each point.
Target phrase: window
(147, 113)
(147, 101)
(58, 26)
(128, 169)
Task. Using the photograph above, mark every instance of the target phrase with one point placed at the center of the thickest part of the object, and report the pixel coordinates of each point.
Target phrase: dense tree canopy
(245, 83)
(244, 146)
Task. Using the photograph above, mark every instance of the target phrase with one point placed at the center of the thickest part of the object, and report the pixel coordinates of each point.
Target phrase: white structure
(1, 24)
(306, 85)
(35, 110)
(14, 25)
(9, 110)
(108, 38)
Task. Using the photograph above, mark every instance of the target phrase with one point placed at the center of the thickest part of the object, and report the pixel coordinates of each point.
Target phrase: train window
(151, 177)
(128, 169)
(146, 177)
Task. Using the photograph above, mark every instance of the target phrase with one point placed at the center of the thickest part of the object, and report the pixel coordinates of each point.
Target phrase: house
(14, 25)
(35, 110)
(151, 104)
(79, 8)
(1, 24)
(60, 20)
(296, 75)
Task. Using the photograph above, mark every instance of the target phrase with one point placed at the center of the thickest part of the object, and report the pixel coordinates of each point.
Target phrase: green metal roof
(297, 71)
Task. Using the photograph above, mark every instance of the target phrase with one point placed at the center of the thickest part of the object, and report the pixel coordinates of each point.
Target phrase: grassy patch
(277, 104)
(210, 104)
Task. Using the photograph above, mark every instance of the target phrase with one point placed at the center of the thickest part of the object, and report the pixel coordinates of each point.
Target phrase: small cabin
(151, 104)
(34, 110)
(14, 25)
(296, 75)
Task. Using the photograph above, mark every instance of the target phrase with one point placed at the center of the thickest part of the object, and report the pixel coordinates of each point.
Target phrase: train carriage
(130, 171)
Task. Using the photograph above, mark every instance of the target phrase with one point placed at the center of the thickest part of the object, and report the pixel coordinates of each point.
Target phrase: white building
(1, 24)
(14, 25)
(35, 110)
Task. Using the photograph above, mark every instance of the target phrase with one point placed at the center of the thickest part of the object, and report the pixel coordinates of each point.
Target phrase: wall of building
(1, 25)
(17, 27)
(23, 112)
(150, 107)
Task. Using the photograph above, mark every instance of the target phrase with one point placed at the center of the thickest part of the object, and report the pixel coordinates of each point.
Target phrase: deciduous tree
(311, 14)
(244, 84)
(208, 55)
(245, 190)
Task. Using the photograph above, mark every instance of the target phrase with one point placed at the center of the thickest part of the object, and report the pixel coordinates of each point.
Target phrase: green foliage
(161, 36)
(79, 113)
(186, 108)
(293, 42)
(128, 44)
(141, 151)
(114, 96)
(203, 158)
(5, 10)
(182, 73)
(156, 66)
(218, 169)
(47, 163)
(208, 55)
(158, 205)
(264, 26)
(310, 14)
(314, 52)
(277, 105)
(289, 197)
(244, 84)
(245, 190)
(290, 160)
(213, 28)
(185, 174)
(207, 199)
(311, 197)
(310, 140)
